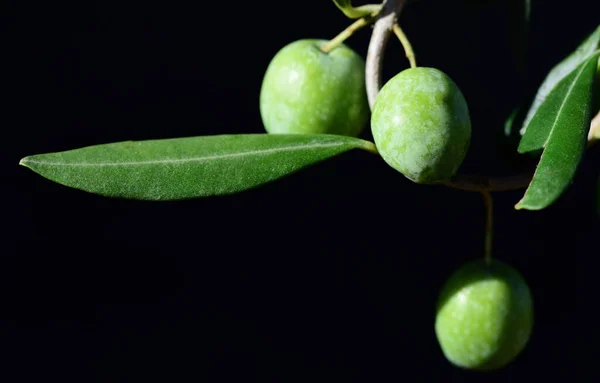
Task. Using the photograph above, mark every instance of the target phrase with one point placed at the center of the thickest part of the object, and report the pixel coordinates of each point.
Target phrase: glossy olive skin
(484, 316)
(421, 125)
(305, 90)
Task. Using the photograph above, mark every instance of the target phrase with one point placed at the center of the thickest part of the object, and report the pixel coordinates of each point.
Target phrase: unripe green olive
(484, 316)
(421, 125)
(306, 90)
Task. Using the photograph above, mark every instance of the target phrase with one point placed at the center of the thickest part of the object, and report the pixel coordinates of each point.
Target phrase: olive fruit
(421, 125)
(306, 90)
(484, 316)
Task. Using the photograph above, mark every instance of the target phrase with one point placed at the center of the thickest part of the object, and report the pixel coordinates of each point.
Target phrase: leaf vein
(562, 104)
(185, 160)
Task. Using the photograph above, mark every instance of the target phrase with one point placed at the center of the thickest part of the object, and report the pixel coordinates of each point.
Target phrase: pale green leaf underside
(560, 126)
(356, 12)
(583, 52)
(192, 167)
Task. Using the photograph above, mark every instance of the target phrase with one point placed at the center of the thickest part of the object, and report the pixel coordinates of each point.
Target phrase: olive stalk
(408, 49)
(346, 33)
(379, 38)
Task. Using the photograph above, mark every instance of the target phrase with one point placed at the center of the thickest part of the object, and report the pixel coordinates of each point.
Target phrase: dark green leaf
(356, 12)
(184, 168)
(560, 126)
(583, 52)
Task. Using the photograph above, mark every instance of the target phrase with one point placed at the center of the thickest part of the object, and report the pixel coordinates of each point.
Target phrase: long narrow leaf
(560, 126)
(184, 168)
(583, 52)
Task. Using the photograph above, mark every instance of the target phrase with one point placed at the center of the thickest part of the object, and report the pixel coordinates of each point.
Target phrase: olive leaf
(583, 52)
(560, 126)
(356, 12)
(185, 168)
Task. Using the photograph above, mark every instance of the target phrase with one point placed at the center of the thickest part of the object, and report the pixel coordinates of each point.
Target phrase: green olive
(484, 316)
(306, 90)
(421, 125)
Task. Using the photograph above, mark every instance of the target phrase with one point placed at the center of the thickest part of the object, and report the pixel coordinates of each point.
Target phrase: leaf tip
(24, 162)
(525, 147)
(524, 205)
(519, 205)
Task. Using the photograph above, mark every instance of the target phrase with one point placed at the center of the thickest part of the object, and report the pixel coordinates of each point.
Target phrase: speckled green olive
(421, 125)
(305, 90)
(484, 316)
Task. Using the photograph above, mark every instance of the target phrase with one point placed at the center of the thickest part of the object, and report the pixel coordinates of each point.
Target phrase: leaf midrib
(26, 161)
(564, 101)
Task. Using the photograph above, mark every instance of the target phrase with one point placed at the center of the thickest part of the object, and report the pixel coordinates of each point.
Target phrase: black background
(328, 275)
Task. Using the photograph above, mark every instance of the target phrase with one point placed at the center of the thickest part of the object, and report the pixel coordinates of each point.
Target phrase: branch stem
(480, 183)
(346, 33)
(379, 38)
(408, 49)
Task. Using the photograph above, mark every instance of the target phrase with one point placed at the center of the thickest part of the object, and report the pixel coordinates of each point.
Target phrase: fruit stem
(346, 33)
(489, 225)
(408, 49)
